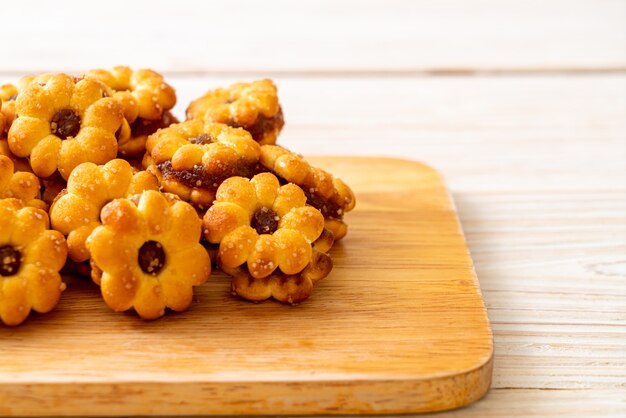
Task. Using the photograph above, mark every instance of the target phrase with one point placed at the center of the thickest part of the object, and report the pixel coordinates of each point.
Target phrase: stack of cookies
(98, 176)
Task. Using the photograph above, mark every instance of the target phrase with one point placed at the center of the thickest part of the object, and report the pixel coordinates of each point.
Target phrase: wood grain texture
(399, 326)
(392, 36)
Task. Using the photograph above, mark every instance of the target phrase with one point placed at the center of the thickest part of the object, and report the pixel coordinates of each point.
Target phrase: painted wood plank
(487, 134)
(316, 36)
(541, 403)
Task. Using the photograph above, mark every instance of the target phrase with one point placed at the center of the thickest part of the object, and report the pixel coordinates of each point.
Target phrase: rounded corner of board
(467, 387)
(481, 382)
(418, 165)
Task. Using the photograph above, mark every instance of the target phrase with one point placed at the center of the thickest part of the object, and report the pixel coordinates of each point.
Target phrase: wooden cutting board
(398, 326)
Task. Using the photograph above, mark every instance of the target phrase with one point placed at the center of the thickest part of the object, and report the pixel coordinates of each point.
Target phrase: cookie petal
(114, 253)
(14, 307)
(25, 133)
(85, 93)
(221, 219)
(6, 173)
(239, 191)
(185, 227)
(263, 259)
(35, 102)
(45, 156)
(60, 88)
(236, 246)
(28, 225)
(148, 301)
(105, 114)
(187, 156)
(155, 209)
(289, 196)
(294, 251)
(306, 219)
(266, 185)
(194, 273)
(24, 186)
(48, 251)
(119, 289)
(177, 292)
(44, 287)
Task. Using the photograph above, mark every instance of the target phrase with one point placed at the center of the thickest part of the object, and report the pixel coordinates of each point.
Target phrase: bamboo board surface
(398, 326)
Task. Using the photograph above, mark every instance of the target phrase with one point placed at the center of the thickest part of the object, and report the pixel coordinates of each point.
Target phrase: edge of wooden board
(251, 398)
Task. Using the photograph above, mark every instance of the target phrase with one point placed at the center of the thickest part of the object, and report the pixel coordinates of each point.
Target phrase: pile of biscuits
(97, 177)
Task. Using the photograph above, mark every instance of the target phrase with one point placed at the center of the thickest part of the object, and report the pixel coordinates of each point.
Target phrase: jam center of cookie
(265, 221)
(201, 139)
(151, 257)
(262, 125)
(328, 208)
(65, 123)
(198, 177)
(10, 260)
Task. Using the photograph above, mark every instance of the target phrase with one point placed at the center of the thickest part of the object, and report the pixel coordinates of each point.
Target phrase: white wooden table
(520, 104)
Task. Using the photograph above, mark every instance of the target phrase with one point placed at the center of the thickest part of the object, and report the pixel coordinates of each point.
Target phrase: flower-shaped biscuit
(323, 191)
(253, 106)
(63, 122)
(147, 254)
(20, 185)
(76, 212)
(8, 94)
(31, 256)
(3, 119)
(143, 93)
(285, 288)
(263, 225)
(193, 158)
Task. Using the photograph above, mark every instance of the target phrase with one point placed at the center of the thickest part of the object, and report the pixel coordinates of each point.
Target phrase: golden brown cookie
(193, 158)
(8, 94)
(143, 93)
(3, 119)
(135, 145)
(252, 106)
(76, 211)
(20, 185)
(285, 288)
(264, 226)
(31, 256)
(323, 191)
(63, 122)
(19, 164)
(147, 254)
